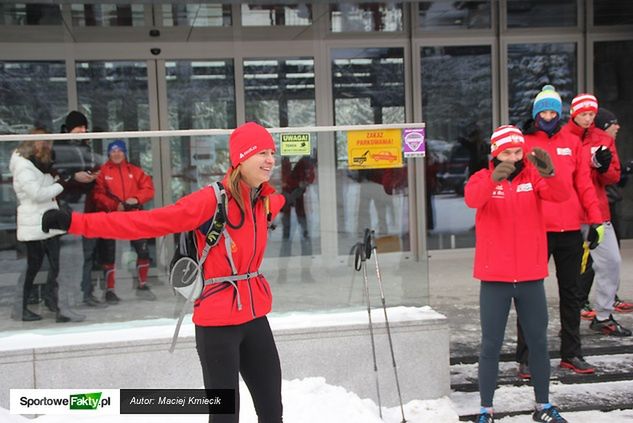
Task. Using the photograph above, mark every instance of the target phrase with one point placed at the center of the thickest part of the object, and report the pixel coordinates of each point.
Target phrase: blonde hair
(234, 186)
(26, 149)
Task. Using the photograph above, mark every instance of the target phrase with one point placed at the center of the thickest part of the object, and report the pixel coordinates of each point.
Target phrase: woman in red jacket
(511, 259)
(121, 186)
(232, 332)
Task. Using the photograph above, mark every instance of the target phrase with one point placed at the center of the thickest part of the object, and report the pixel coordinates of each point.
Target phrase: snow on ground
(164, 328)
(312, 400)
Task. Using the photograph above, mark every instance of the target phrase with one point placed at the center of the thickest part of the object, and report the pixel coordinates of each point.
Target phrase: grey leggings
(495, 299)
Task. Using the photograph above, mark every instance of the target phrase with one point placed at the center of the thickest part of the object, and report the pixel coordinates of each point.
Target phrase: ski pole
(360, 263)
(370, 246)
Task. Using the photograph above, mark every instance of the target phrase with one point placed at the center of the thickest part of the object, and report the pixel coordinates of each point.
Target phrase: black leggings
(35, 252)
(495, 299)
(247, 349)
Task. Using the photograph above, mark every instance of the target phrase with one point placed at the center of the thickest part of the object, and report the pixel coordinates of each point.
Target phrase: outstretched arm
(188, 213)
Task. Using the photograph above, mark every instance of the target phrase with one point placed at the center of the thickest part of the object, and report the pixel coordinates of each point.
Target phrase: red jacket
(570, 162)
(219, 308)
(592, 139)
(117, 183)
(511, 245)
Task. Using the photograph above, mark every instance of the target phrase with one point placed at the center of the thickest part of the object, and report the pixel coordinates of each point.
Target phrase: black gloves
(602, 159)
(502, 171)
(542, 161)
(594, 237)
(55, 219)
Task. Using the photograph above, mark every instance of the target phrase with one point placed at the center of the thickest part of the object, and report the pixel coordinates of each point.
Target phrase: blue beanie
(547, 99)
(117, 144)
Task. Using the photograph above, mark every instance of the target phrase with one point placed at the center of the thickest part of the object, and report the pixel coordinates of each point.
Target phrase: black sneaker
(485, 418)
(92, 301)
(577, 365)
(549, 415)
(111, 297)
(144, 293)
(609, 327)
(524, 371)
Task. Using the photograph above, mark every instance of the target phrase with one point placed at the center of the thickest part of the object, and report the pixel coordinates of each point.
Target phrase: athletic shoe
(609, 327)
(549, 415)
(92, 301)
(587, 312)
(622, 306)
(111, 297)
(485, 418)
(577, 365)
(524, 371)
(144, 293)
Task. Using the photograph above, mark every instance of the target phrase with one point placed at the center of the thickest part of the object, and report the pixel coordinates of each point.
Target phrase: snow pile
(164, 328)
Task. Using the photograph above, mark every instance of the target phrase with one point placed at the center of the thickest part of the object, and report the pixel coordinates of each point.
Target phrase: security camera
(155, 51)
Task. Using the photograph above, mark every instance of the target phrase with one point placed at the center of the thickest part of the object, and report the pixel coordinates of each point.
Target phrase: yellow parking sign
(376, 149)
(295, 144)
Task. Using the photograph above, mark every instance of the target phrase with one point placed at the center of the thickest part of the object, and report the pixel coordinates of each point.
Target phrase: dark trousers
(566, 247)
(495, 299)
(89, 246)
(35, 252)
(107, 249)
(247, 349)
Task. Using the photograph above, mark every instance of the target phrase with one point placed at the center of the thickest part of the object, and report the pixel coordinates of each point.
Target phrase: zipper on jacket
(248, 281)
(122, 182)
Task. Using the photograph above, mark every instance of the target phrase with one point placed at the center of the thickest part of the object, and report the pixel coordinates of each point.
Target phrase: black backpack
(185, 269)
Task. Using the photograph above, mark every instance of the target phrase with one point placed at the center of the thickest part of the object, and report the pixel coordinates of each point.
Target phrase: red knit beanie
(583, 103)
(247, 140)
(506, 136)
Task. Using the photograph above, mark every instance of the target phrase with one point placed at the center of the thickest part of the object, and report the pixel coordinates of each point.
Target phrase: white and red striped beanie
(583, 103)
(506, 136)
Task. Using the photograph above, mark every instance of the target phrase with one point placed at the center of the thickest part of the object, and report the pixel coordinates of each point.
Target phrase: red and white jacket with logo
(511, 245)
(571, 163)
(118, 182)
(219, 306)
(592, 139)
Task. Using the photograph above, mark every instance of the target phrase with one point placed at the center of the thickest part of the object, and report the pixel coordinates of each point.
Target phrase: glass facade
(459, 117)
(366, 17)
(442, 15)
(108, 14)
(530, 67)
(539, 13)
(352, 63)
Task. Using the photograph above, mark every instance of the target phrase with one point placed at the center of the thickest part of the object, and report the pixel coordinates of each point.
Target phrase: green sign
(295, 145)
(85, 401)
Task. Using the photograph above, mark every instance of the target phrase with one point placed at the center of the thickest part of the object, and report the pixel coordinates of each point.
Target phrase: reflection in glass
(30, 14)
(108, 14)
(612, 64)
(114, 97)
(200, 95)
(539, 13)
(530, 67)
(31, 93)
(276, 14)
(366, 17)
(610, 12)
(368, 88)
(469, 14)
(457, 109)
(198, 15)
(280, 93)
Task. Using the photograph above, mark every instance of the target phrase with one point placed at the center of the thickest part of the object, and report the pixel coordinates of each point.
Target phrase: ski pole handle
(359, 257)
(368, 242)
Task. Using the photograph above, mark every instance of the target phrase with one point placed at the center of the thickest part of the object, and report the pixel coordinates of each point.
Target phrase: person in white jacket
(36, 190)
